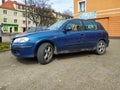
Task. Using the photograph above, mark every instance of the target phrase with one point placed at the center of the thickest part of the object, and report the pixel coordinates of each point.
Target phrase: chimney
(3, 1)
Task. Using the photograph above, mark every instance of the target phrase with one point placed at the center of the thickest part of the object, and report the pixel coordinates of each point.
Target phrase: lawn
(4, 46)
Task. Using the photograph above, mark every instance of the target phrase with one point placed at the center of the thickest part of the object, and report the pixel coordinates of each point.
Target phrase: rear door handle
(81, 34)
(99, 33)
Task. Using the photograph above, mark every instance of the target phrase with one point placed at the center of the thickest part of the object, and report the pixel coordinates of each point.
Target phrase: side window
(76, 25)
(90, 25)
(96, 27)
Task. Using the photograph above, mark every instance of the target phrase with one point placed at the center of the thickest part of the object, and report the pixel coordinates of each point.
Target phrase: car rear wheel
(101, 47)
(45, 53)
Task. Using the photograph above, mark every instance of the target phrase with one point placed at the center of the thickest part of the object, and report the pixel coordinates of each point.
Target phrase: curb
(4, 51)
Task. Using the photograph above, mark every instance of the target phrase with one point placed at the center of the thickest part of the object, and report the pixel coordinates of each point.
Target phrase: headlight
(21, 40)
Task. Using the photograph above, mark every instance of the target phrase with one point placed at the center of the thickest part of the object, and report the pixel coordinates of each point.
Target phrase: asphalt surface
(78, 71)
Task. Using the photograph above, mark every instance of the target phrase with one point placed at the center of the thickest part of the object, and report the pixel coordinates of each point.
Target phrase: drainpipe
(1, 33)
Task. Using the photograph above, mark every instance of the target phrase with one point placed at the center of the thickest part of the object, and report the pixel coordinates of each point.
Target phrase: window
(23, 7)
(19, 7)
(4, 11)
(5, 20)
(76, 25)
(82, 6)
(5, 28)
(15, 13)
(24, 14)
(15, 29)
(24, 22)
(15, 20)
(89, 25)
(29, 22)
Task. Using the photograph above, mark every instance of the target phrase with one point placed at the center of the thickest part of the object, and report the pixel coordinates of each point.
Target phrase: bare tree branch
(39, 11)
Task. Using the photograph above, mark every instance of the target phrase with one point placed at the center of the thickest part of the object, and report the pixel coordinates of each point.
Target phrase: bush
(4, 46)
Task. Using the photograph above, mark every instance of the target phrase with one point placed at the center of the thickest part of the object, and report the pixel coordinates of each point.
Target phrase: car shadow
(72, 55)
(27, 60)
(56, 57)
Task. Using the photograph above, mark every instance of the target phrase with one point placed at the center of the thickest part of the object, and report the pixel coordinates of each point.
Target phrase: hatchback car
(66, 36)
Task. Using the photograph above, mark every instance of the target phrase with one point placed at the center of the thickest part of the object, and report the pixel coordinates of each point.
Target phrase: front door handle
(81, 34)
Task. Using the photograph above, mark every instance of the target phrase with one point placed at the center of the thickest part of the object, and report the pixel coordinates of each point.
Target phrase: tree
(39, 11)
(68, 12)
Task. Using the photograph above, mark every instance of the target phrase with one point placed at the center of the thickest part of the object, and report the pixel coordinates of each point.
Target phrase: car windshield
(36, 29)
(57, 25)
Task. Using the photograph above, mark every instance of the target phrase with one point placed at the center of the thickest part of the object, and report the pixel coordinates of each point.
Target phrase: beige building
(12, 16)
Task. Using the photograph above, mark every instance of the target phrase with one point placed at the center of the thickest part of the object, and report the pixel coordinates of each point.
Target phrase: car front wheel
(101, 47)
(45, 53)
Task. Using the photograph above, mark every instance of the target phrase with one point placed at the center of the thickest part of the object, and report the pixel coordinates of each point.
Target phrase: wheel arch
(104, 41)
(41, 42)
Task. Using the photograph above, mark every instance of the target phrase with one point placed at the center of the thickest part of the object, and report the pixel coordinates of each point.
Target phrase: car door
(71, 39)
(90, 36)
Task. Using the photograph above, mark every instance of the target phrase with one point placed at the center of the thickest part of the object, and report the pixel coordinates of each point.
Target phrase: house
(107, 12)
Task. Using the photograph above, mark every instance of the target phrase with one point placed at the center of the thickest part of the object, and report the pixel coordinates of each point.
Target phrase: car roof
(80, 19)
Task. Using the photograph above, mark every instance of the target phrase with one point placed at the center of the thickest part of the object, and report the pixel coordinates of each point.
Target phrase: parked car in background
(66, 36)
(36, 29)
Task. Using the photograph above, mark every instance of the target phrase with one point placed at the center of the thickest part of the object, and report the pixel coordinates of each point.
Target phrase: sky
(58, 5)
(62, 5)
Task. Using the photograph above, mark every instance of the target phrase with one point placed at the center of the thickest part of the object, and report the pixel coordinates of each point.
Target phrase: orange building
(107, 12)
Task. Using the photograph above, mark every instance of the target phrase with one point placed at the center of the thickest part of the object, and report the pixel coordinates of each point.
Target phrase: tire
(101, 47)
(45, 53)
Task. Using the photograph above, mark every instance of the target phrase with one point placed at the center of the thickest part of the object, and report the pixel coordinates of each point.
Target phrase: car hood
(36, 34)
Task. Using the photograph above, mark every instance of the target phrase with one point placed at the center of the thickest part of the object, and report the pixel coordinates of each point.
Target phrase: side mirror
(68, 28)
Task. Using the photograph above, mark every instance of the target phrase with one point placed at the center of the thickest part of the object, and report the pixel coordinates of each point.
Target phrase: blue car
(65, 36)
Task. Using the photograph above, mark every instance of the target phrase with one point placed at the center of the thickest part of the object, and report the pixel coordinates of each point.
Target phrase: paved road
(79, 71)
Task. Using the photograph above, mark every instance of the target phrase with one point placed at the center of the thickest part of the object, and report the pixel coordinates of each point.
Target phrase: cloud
(62, 5)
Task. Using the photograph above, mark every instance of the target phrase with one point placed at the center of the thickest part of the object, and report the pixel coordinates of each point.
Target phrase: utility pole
(26, 19)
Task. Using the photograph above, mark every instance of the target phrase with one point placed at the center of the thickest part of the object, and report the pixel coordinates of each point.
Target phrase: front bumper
(22, 50)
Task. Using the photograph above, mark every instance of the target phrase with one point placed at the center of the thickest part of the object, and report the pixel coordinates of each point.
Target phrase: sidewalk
(6, 38)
